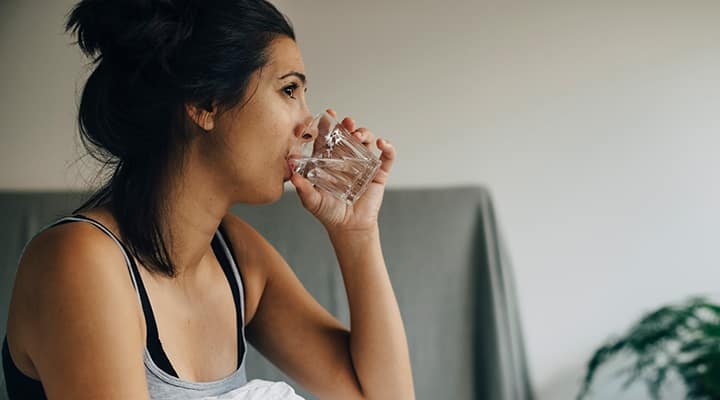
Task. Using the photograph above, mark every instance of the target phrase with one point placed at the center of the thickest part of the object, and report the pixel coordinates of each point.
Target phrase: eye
(290, 90)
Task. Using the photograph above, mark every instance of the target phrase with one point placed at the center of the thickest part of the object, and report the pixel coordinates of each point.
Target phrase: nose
(304, 131)
(304, 137)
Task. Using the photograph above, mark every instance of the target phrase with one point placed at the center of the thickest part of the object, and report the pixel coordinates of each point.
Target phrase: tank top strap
(152, 341)
(129, 262)
(226, 257)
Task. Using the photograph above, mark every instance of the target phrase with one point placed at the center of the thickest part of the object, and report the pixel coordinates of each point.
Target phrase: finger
(387, 158)
(309, 196)
(365, 136)
(332, 112)
(348, 123)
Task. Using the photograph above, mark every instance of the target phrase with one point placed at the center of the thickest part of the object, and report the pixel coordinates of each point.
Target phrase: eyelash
(292, 87)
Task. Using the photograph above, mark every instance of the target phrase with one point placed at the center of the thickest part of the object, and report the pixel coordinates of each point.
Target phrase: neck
(195, 207)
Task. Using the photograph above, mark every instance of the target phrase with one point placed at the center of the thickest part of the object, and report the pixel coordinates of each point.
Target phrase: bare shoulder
(67, 257)
(72, 280)
(243, 234)
(67, 260)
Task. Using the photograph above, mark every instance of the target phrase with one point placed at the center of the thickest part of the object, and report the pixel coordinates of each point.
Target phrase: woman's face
(249, 145)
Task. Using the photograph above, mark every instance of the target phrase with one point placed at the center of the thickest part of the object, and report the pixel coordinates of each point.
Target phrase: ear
(203, 116)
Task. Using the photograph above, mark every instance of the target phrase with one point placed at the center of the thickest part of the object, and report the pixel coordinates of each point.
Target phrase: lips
(290, 162)
(288, 172)
(289, 167)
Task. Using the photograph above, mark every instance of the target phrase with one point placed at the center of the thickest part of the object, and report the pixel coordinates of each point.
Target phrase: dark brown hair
(152, 57)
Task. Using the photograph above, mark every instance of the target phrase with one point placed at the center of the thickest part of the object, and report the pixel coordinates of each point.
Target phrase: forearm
(378, 344)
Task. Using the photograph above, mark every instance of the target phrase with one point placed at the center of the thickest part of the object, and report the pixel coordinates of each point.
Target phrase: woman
(151, 289)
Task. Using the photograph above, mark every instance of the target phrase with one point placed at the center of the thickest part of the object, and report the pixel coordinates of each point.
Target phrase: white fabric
(258, 389)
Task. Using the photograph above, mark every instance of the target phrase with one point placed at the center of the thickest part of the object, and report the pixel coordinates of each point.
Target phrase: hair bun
(131, 32)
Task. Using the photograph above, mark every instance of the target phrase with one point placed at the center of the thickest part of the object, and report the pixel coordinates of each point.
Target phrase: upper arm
(79, 316)
(292, 329)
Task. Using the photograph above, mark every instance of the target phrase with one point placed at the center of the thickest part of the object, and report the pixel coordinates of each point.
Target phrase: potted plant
(682, 339)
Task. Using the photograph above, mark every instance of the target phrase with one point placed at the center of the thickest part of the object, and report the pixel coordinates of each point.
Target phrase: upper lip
(290, 163)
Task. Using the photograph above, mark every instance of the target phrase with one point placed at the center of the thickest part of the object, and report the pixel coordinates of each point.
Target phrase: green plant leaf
(684, 339)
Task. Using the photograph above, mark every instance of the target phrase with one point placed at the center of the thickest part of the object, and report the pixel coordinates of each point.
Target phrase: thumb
(309, 196)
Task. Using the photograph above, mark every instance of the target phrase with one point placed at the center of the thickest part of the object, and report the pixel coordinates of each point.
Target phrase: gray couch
(445, 257)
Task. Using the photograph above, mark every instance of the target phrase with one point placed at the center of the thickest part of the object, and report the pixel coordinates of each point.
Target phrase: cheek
(259, 140)
(257, 150)
(276, 138)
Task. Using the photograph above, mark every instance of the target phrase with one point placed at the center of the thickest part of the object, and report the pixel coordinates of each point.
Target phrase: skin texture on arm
(291, 328)
(379, 346)
(311, 346)
(73, 281)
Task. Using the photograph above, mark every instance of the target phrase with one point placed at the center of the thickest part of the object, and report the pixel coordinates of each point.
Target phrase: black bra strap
(152, 339)
(224, 260)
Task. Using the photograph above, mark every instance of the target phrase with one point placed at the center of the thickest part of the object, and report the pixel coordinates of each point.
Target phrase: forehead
(284, 57)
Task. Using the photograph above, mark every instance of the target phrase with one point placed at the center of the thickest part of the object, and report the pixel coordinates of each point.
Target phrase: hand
(335, 214)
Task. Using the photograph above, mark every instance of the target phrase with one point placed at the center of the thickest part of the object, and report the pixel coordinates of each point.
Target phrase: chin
(260, 195)
(271, 195)
(278, 195)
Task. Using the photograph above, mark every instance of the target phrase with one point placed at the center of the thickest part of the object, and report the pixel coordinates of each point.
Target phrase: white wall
(595, 125)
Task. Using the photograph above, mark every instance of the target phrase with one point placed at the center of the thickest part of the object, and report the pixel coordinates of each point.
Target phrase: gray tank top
(161, 384)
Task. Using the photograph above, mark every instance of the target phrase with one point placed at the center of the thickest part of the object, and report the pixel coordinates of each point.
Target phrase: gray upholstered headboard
(446, 261)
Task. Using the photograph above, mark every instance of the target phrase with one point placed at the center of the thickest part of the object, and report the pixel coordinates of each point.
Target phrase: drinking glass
(335, 160)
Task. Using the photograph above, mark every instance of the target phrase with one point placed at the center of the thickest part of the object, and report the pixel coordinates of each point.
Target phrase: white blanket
(258, 389)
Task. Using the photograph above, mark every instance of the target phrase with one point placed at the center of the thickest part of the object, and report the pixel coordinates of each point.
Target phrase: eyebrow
(297, 74)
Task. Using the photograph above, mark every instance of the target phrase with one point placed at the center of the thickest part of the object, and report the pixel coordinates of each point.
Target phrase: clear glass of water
(335, 160)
